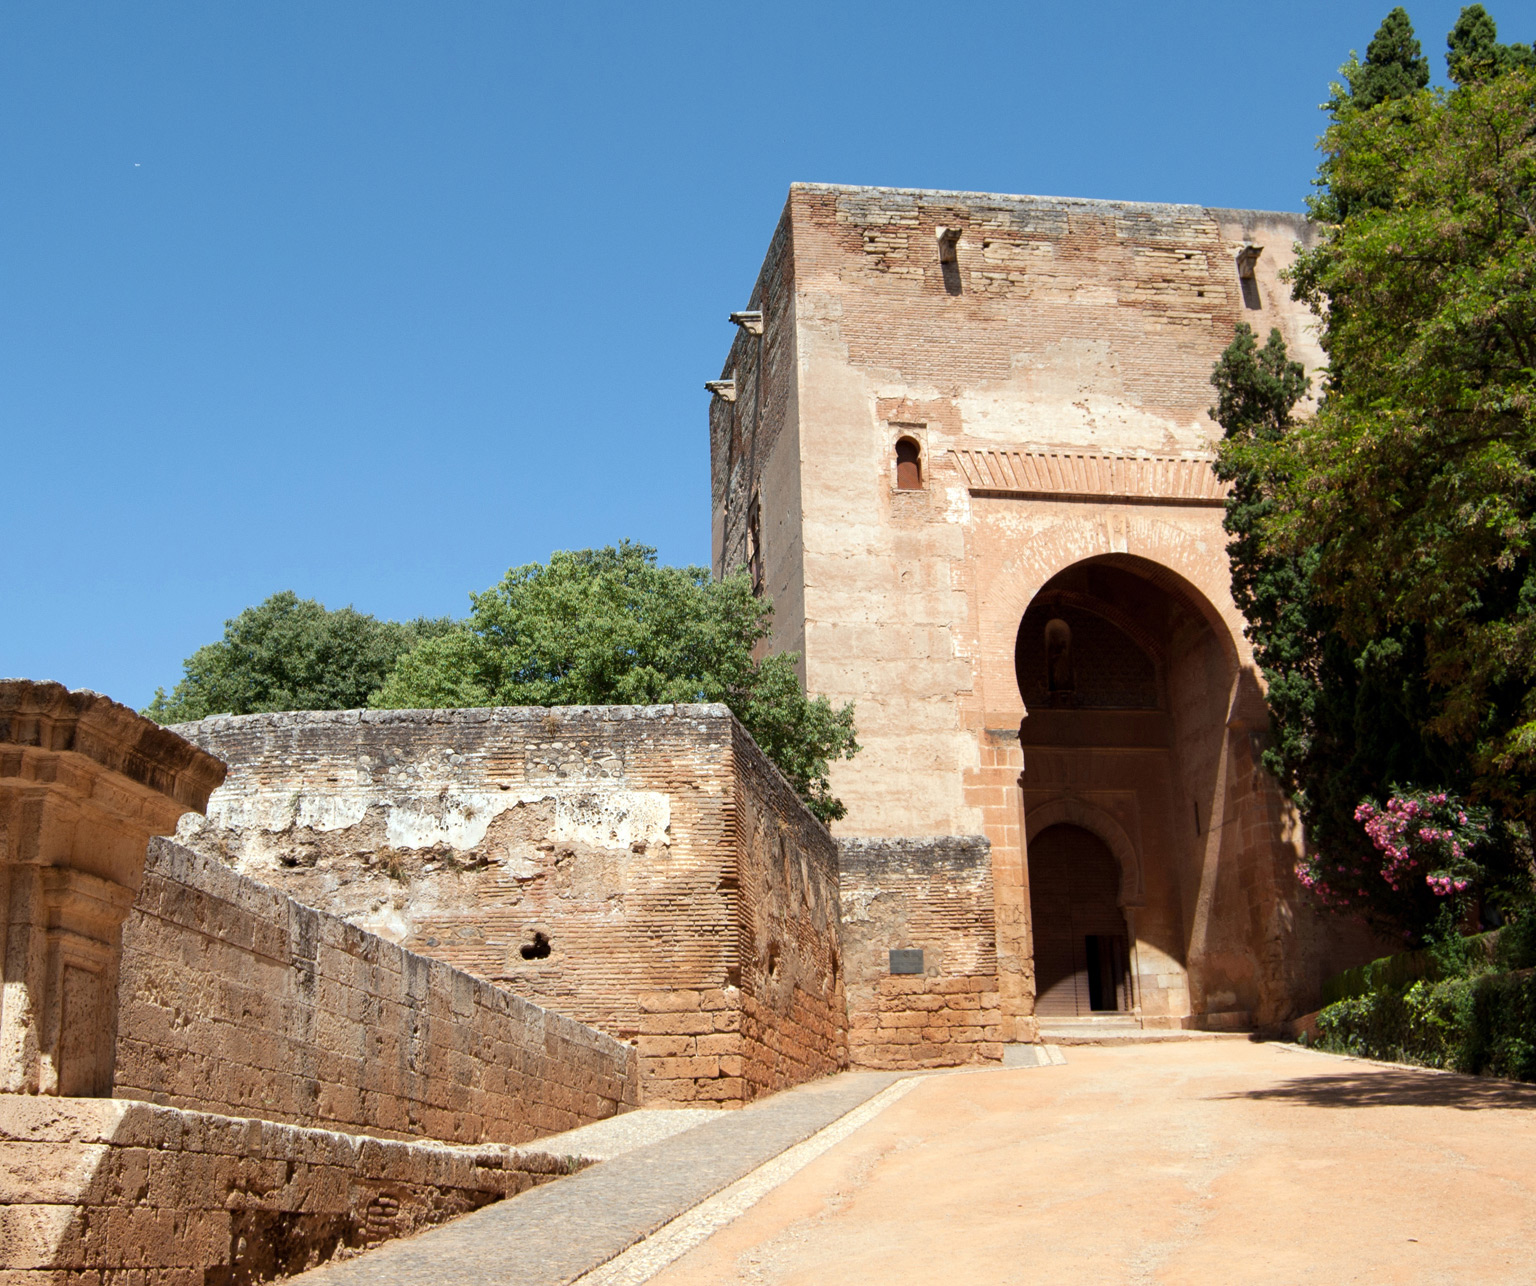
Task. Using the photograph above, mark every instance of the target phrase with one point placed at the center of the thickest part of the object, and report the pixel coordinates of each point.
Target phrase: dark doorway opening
(1082, 963)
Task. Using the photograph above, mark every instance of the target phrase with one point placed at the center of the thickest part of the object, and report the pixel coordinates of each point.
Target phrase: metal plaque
(907, 960)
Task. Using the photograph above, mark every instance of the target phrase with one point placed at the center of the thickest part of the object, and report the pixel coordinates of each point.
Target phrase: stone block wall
(635, 868)
(102, 1190)
(235, 999)
(933, 896)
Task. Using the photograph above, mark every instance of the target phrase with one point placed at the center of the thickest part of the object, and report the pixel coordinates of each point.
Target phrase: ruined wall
(102, 1190)
(589, 859)
(934, 896)
(235, 999)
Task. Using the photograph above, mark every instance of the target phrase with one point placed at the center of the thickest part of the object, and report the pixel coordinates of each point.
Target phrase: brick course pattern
(934, 895)
(97, 1191)
(236, 999)
(644, 870)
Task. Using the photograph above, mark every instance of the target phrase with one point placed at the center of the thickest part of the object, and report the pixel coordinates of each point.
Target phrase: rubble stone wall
(608, 863)
(935, 896)
(235, 999)
(102, 1190)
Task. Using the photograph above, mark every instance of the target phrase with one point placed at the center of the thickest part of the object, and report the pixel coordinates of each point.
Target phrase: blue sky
(372, 301)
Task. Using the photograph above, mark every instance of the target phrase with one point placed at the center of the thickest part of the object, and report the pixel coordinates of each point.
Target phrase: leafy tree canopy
(1346, 719)
(290, 653)
(1416, 480)
(611, 626)
(1382, 548)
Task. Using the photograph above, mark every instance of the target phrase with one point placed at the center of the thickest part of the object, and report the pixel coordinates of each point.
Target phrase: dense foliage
(611, 626)
(591, 627)
(1472, 1009)
(290, 653)
(1345, 717)
(1381, 548)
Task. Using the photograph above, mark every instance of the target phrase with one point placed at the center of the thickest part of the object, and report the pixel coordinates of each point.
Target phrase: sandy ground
(1205, 1162)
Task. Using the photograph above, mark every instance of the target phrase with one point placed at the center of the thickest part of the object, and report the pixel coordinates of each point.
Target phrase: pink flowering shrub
(1423, 841)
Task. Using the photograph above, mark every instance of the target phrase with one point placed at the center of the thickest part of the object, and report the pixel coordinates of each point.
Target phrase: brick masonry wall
(101, 1190)
(234, 998)
(934, 895)
(794, 1012)
(780, 1018)
(589, 859)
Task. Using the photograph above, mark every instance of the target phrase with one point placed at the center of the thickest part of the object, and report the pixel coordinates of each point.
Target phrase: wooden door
(1081, 957)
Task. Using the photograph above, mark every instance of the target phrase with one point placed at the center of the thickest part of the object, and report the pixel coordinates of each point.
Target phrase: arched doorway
(1081, 944)
(1127, 686)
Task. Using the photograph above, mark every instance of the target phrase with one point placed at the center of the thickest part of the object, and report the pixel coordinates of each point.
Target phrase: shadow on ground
(1389, 1088)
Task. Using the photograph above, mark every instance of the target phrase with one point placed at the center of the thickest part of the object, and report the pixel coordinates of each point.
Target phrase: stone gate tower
(961, 440)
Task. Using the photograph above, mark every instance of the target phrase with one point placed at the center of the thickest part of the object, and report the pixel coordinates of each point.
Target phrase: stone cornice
(1063, 473)
(49, 719)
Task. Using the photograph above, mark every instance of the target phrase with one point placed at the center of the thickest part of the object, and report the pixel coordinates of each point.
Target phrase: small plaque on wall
(907, 960)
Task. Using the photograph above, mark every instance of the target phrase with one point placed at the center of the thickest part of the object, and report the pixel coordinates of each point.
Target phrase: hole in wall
(538, 949)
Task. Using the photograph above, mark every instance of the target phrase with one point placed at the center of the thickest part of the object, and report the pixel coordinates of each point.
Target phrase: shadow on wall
(1388, 1087)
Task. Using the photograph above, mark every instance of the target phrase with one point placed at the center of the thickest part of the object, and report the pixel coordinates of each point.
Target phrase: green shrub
(1517, 943)
(1450, 957)
(1502, 1036)
(1483, 1023)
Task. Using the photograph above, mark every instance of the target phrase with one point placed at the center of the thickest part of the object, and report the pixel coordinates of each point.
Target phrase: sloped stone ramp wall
(99, 1191)
(236, 999)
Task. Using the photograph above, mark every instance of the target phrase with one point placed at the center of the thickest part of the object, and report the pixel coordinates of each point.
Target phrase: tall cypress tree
(1394, 66)
(1473, 52)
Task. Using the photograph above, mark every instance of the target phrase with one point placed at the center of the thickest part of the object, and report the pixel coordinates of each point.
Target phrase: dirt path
(1205, 1162)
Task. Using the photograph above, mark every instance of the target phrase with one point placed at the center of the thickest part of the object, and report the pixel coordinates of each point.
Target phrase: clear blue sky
(374, 300)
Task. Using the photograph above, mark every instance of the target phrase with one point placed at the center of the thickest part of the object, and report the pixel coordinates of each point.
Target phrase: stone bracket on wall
(1032, 473)
(84, 783)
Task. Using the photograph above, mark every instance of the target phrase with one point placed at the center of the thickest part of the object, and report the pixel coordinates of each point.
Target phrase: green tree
(1473, 52)
(1345, 719)
(1416, 480)
(290, 653)
(1394, 66)
(1382, 548)
(611, 626)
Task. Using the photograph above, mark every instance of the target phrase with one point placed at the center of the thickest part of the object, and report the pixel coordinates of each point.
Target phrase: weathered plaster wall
(106, 1191)
(934, 895)
(589, 859)
(236, 999)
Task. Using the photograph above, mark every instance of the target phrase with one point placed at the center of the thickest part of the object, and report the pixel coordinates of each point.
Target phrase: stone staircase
(1127, 1029)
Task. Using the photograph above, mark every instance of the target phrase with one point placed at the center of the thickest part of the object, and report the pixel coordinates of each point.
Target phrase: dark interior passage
(1081, 958)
